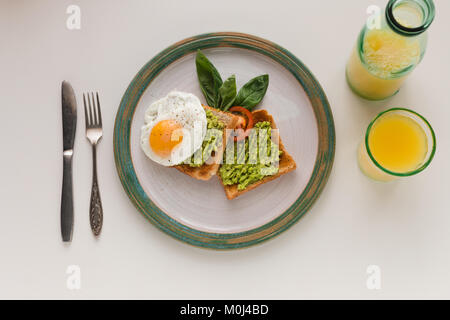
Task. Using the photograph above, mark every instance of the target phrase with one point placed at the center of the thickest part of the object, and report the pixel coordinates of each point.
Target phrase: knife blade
(69, 123)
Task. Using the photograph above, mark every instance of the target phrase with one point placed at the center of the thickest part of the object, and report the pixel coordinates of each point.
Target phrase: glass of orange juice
(398, 143)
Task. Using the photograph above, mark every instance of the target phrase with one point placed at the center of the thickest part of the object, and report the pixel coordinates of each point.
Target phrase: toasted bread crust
(286, 163)
(206, 171)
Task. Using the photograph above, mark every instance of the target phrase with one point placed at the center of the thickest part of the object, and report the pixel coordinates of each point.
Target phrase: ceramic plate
(198, 212)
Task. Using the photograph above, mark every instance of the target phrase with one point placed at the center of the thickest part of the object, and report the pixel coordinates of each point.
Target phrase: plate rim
(322, 167)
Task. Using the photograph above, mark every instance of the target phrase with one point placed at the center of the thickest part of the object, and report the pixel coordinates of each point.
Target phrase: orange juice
(389, 47)
(384, 53)
(397, 143)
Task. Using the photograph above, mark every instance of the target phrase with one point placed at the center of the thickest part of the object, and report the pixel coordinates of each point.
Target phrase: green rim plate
(323, 164)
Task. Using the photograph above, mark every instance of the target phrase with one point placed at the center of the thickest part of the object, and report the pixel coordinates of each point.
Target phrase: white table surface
(403, 227)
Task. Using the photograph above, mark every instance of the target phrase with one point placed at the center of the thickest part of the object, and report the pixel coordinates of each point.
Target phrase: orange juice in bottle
(387, 52)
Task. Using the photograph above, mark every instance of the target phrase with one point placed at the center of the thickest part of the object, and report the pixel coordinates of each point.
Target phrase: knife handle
(67, 198)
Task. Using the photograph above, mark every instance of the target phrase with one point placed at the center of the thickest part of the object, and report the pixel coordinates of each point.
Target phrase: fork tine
(86, 119)
(94, 120)
(94, 108)
(94, 116)
(91, 116)
(99, 112)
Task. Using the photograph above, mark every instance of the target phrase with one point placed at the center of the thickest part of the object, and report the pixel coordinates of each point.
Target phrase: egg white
(186, 109)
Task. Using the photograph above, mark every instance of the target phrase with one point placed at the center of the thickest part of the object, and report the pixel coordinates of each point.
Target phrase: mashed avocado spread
(212, 141)
(244, 172)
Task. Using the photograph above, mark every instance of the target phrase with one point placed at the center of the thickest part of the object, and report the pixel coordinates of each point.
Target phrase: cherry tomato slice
(247, 125)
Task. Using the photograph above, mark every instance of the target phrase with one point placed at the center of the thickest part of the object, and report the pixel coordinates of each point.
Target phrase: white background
(403, 226)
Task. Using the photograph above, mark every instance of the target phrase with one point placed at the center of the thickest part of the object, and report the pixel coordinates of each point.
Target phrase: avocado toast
(219, 120)
(286, 163)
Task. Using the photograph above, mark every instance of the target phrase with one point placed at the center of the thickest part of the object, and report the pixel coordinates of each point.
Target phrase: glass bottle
(389, 48)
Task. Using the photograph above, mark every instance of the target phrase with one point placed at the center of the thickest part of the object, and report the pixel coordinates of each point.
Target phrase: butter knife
(69, 122)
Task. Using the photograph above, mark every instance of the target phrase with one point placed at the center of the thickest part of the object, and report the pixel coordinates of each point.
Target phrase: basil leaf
(227, 93)
(252, 92)
(209, 79)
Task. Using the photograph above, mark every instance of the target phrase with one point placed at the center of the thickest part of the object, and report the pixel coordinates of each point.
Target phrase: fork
(94, 133)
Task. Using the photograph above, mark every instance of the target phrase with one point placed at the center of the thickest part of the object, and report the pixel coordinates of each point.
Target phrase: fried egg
(174, 128)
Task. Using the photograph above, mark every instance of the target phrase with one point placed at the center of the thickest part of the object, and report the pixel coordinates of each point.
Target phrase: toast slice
(206, 171)
(286, 163)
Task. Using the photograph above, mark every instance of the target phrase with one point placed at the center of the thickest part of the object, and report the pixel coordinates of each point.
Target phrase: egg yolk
(165, 136)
